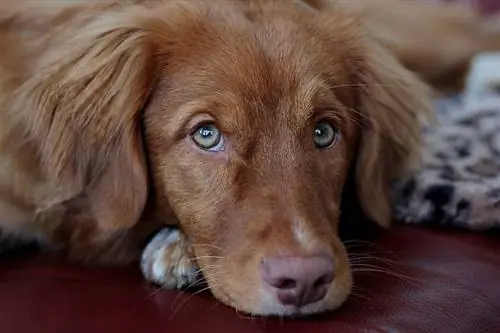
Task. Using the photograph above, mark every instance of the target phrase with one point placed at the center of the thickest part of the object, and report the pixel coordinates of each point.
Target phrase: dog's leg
(168, 260)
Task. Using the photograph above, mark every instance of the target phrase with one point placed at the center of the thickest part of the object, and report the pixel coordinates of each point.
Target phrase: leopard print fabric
(459, 183)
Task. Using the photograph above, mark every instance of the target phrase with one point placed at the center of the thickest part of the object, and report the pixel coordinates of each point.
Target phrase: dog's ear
(82, 106)
(394, 102)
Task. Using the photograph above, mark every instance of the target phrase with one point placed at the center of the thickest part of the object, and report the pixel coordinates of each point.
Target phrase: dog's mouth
(292, 312)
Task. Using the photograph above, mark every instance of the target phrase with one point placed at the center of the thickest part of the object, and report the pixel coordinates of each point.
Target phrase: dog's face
(256, 114)
(251, 135)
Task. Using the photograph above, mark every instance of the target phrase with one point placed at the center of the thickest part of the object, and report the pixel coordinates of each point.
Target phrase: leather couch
(416, 279)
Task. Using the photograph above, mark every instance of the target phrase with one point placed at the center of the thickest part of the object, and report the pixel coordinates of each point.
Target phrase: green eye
(208, 137)
(325, 135)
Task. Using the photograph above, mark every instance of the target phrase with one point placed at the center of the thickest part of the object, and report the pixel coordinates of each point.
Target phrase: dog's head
(251, 115)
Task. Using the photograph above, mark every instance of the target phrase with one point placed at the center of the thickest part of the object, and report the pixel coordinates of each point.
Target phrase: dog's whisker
(361, 85)
(180, 293)
(368, 260)
(359, 241)
(209, 245)
(365, 117)
(402, 277)
(190, 296)
(358, 294)
(367, 257)
(203, 257)
(355, 118)
(369, 251)
(360, 262)
(244, 316)
(213, 270)
(151, 294)
(214, 283)
(200, 279)
(365, 245)
(195, 282)
(358, 113)
(363, 268)
(375, 269)
(208, 269)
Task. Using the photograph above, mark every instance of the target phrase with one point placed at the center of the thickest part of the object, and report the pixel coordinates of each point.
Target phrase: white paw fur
(168, 260)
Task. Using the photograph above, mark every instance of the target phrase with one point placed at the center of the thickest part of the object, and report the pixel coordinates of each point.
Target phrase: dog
(205, 137)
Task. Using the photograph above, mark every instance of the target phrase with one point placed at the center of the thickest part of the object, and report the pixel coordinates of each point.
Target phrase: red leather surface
(438, 281)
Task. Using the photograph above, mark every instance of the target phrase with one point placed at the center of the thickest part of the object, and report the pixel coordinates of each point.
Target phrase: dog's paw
(168, 260)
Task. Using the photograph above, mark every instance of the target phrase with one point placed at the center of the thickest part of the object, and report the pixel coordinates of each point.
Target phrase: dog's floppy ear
(395, 102)
(82, 106)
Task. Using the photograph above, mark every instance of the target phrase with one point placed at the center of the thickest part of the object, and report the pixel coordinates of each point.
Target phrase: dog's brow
(185, 113)
(315, 98)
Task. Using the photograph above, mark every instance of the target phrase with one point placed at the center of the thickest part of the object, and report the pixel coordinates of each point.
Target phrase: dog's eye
(208, 137)
(325, 135)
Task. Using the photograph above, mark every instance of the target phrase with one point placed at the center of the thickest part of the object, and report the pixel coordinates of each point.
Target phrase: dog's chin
(257, 302)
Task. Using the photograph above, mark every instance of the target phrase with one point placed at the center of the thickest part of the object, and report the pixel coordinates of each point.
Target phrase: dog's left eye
(208, 137)
(325, 135)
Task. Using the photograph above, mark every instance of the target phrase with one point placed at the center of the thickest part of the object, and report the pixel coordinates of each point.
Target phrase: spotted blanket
(459, 182)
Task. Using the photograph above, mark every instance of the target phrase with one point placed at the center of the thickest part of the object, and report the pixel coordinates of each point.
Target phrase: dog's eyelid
(192, 127)
(190, 122)
(330, 115)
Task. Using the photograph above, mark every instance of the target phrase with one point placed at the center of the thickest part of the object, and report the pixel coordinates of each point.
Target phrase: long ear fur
(395, 102)
(82, 106)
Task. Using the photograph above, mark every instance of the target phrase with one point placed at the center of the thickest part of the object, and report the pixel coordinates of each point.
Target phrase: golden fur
(97, 100)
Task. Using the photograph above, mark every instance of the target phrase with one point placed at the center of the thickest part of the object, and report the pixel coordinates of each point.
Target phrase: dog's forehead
(261, 65)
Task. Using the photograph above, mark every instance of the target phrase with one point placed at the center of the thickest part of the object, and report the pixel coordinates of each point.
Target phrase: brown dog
(238, 121)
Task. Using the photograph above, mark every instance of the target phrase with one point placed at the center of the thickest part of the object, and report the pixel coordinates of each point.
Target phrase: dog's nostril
(324, 280)
(286, 284)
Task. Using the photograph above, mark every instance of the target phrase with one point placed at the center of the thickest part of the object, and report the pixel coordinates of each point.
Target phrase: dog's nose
(297, 281)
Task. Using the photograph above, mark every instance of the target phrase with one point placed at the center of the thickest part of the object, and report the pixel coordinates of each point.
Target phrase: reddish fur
(95, 97)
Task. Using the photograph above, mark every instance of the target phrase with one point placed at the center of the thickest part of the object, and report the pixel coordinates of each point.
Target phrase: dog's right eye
(208, 137)
(325, 135)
